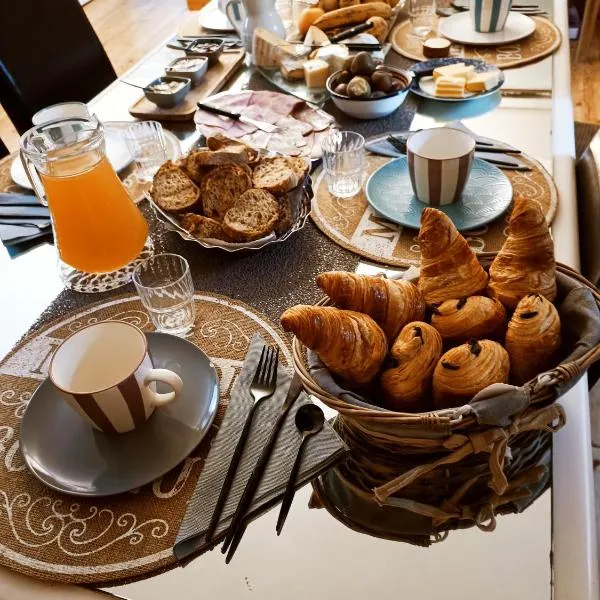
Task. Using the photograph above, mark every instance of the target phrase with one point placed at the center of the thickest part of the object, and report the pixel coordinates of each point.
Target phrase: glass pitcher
(100, 233)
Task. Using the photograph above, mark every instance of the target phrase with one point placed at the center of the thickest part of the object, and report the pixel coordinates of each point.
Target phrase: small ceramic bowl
(371, 108)
(212, 48)
(194, 72)
(168, 99)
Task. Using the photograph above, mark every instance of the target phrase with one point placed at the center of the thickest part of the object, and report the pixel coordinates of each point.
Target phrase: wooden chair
(49, 53)
(588, 29)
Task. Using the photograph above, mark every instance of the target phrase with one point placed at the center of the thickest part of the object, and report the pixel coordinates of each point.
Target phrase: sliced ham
(318, 119)
(231, 102)
(259, 139)
(283, 104)
(291, 124)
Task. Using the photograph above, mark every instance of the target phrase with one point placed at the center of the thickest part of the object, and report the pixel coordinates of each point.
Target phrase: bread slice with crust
(275, 175)
(203, 227)
(173, 190)
(221, 187)
(252, 217)
(300, 167)
(222, 142)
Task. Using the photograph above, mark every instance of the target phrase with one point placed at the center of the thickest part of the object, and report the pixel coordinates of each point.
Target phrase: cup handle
(232, 10)
(164, 376)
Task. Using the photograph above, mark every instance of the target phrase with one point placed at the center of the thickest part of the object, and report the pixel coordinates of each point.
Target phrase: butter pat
(316, 72)
(481, 82)
(450, 87)
(334, 55)
(455, 70)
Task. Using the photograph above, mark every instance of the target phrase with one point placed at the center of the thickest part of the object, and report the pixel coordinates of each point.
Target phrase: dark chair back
(49, 53)
(3, 150)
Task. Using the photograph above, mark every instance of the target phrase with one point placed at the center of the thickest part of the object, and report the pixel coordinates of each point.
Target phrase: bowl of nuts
(367, 89)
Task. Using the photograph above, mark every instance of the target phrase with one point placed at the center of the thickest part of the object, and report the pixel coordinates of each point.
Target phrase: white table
(317, 556)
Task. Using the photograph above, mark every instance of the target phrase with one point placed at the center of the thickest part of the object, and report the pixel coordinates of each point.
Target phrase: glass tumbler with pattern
(343, 162)
(164, 284)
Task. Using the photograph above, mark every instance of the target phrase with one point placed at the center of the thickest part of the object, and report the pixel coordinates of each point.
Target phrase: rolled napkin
(322, 451)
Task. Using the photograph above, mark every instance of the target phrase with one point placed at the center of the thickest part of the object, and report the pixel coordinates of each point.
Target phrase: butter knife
(267, 127)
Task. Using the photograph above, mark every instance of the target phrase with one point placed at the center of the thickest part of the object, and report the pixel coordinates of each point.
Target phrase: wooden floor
(129, 29)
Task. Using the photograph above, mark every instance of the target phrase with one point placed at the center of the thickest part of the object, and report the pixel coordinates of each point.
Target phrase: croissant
(533, 338)
(475, 317)
(465, 370)
(350, 343)
(449, 268)
(406, 388)
(525, 263)
(391, 303)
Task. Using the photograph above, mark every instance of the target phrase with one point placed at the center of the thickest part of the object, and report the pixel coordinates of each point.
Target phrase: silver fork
(262, 387)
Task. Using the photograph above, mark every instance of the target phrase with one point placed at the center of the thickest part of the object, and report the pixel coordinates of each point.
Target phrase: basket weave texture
(451, 466)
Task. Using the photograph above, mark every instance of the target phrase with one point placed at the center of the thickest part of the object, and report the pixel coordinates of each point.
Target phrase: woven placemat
(111, 540)
(544, 41)
(352, 224)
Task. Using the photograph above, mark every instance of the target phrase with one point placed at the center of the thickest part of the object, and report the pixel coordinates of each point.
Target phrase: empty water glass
(166, 289)
(422, 17)
(343, 161)
(146, 143)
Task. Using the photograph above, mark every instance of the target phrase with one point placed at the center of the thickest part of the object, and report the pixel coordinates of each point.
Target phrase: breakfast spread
(186, 64)
(300, 126)
(435, 343)
(166, 87)
(229, 192)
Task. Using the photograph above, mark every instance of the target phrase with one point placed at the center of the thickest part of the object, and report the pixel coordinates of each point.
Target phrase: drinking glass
(422, 17)
(146, 143)
(343, 161)
(164, 284)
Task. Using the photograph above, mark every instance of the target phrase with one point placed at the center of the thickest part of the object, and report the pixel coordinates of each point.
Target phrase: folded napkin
(321, 452)
(24, 222)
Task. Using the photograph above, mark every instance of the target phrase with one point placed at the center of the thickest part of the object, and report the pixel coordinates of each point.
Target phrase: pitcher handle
(233, 10)
(34, 178)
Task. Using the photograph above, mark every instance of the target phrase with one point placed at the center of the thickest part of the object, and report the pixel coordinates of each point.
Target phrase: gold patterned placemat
(545, 40)
(351, 223)
(61, 538)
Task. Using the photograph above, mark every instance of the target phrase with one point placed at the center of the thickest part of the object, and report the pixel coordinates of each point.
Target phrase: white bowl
(371, 108)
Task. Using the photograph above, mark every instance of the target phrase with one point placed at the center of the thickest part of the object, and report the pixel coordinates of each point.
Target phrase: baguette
(252, 217)
(173, 190)
(353, 15)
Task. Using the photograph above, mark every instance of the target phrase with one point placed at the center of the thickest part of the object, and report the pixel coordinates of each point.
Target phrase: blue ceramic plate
(423, 84)
(486, 196)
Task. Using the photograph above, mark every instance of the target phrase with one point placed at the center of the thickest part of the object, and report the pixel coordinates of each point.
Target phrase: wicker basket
(445, 465)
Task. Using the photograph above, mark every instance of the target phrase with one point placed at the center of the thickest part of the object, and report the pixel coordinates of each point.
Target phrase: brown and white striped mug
(439, 163)
(105, 373)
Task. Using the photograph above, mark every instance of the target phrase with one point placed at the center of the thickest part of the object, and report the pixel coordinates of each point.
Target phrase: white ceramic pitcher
(247, 15)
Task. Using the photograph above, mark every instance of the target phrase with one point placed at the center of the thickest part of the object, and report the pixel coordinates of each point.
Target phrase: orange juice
(97, 226)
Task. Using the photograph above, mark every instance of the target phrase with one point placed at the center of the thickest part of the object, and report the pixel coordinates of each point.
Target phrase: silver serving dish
(303, 195)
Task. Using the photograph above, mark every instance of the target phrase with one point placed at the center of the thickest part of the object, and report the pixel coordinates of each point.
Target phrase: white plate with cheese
(456, 79)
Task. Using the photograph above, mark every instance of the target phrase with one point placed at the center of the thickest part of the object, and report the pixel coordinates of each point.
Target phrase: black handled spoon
(309, 421)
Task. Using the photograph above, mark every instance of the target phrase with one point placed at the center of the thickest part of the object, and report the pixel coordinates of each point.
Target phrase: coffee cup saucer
(68, 455)
(487, 195)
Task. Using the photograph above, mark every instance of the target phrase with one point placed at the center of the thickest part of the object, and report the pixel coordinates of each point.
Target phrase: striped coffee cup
(439, 162)
(489, 16)
(105, 373)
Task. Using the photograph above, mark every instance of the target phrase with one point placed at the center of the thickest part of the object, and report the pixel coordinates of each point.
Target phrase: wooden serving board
(216, 77)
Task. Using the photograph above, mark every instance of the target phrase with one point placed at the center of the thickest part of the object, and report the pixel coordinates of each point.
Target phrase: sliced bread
(275, 175)
(222, 142)
(300, 167)
(203, 227)
(252, 217)
(173, 190)
(222, 187)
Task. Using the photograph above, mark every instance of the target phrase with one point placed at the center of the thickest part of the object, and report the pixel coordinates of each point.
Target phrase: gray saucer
(67, 454)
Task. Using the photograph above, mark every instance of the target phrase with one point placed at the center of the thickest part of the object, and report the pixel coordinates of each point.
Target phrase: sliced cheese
(455, 70)
(316, 37)
(316, 72)
(267, 48)
(481, 82)
(450, 87)
(334, 55)
(292, 69)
